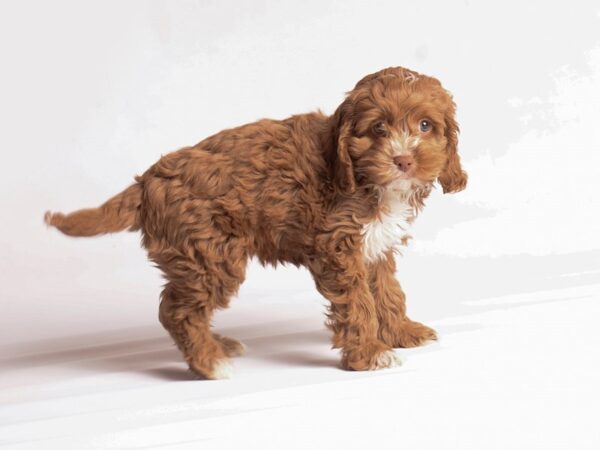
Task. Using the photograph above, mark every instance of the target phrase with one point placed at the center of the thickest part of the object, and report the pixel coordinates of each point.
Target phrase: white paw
(223, 370)
(387, 359)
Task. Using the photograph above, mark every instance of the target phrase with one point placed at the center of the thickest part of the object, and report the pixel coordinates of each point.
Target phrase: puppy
(336, 194)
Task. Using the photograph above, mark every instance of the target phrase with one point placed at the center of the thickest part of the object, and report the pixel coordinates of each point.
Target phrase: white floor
(515, 370)
(507, 271)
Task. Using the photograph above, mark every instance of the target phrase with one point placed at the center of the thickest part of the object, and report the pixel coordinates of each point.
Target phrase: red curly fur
(300, 191)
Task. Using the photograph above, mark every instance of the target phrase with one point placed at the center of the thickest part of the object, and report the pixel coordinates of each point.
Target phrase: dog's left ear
(453, 178)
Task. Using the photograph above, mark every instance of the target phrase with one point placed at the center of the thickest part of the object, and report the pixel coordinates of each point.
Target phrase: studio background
(507, 271)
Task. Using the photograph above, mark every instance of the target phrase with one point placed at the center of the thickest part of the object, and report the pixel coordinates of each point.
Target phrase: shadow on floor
(437, 287)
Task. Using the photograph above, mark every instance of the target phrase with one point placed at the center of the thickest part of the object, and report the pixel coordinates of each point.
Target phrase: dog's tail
(116, 214)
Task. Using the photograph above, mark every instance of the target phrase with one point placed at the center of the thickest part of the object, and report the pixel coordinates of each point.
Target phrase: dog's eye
(425, 126)
(379, 128)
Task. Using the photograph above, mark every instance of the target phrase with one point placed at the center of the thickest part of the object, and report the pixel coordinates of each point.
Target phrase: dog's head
(397, 127)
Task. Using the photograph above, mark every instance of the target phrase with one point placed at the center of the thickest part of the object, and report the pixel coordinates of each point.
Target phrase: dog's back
(260, 183)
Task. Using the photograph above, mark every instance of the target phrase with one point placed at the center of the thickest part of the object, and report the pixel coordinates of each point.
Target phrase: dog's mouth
(405, 175)
(410, 174)
(406, 182)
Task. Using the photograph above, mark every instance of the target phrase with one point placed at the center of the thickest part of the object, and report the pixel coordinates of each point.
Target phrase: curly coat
(332, 193)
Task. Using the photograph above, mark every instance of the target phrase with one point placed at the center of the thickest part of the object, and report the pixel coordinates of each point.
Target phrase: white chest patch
(390, 229)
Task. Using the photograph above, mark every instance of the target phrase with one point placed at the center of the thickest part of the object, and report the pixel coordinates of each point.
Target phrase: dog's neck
(397, 207)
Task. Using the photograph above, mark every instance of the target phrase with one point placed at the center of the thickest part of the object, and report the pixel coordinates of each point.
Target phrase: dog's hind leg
(198, 285)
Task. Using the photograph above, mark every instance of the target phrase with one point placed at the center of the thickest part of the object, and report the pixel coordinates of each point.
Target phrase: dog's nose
(404, 162)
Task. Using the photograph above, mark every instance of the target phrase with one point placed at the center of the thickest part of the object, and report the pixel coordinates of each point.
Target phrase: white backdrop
(92, 93)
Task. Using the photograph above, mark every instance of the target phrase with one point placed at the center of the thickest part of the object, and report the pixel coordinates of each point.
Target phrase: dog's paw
(222, 370)
(385, 360)
(208, 369)
(370, 356)
(232, 347)
(413, 334)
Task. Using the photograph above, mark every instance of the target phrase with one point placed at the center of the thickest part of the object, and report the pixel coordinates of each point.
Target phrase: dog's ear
(343, 169)
(453, 178)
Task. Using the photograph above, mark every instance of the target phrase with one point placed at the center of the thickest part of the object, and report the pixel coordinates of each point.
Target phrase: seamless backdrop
(92, 93)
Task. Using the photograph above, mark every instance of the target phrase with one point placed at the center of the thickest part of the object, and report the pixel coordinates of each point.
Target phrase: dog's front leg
(343, 280)
(395, 328)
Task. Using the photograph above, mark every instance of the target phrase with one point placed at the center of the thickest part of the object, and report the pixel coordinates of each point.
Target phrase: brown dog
(333, 193)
